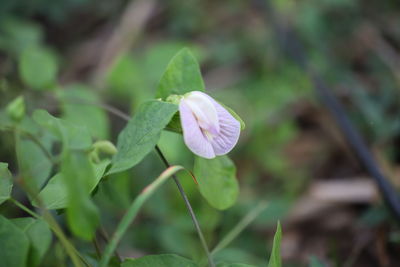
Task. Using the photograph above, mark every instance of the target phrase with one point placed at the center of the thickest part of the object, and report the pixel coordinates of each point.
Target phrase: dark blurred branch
(291, 45)
(132, 22)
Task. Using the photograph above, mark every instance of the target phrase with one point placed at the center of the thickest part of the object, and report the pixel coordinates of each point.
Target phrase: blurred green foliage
(243, 67)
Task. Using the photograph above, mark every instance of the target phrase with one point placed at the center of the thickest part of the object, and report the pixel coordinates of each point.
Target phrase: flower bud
(16, 109)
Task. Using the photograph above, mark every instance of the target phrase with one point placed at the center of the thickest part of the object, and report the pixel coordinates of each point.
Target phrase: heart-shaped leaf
(217, 181)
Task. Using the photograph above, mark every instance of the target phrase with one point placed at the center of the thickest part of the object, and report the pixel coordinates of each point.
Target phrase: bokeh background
(291, 154)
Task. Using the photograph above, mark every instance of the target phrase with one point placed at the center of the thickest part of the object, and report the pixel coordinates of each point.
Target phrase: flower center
(205, 113)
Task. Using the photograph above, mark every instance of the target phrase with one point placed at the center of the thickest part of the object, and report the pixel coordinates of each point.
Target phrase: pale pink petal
(229, 130)
(204, 111)
(192, 135)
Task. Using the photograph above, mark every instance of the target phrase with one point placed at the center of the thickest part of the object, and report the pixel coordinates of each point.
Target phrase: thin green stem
(70, 249)
(240, 226)
(24, 208)
(190, 209)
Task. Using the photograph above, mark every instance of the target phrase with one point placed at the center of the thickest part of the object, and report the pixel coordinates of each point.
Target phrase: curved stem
(190, 209)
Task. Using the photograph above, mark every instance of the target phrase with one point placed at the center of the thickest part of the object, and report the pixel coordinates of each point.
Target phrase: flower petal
(204, 111)
(192, 135)
(229, 130)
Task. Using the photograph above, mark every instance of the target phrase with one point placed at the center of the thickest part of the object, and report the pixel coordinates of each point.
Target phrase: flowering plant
(70, 177)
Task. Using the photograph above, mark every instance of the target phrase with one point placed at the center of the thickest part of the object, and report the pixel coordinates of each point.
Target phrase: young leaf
(38, 68)
(55, 195)
(6, 182)
(78, 100)
(217, 181)
(82, 214)
(181, 76)
(39, 236)
(141, 134)
(14, 244)
(49, 122)
(16, 109)
(275, 258)
(162, 260)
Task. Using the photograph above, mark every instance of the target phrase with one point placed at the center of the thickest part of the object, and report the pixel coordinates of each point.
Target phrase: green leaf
(33, 163)
(6, 182)
(38, 68)
(77, 100)
(275, 258)
(49, 122)
(18, 34)
(141, 134)
(72, 136)
(163, 260)
(181, 76)
(39, 236)
(14, 244)
(78, 174)
(55, 195)
(175, 124)
(217, 181)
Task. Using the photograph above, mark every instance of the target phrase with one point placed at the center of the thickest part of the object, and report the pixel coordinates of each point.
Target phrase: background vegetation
(291, 155)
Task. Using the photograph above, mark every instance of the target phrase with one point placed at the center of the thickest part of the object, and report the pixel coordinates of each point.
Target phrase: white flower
(209, 130)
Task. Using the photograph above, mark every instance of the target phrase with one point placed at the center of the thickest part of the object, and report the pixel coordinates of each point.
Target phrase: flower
(209, 130)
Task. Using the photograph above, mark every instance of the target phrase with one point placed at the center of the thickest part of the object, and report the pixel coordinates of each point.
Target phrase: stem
(103, 233)
(71, 250)
(97, 247)
(24, 208)
(190, 209)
